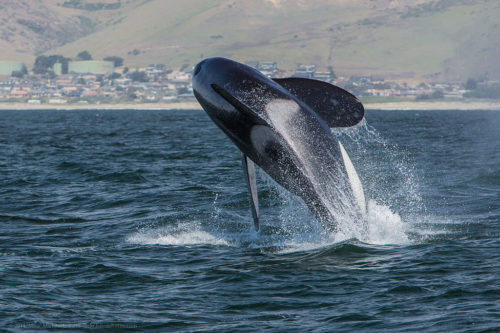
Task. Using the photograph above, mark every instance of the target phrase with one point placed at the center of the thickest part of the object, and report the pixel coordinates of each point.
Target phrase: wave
(181, 234)
(283, 236)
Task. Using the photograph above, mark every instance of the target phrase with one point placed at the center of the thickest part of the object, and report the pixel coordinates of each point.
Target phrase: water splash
(180, 234)
(372, 156)
(289, 226)
(384, 226)
(390, 202)
(297, 229)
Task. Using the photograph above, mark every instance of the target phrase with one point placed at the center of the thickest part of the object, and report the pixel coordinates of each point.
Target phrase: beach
(193, 105)
(190, 105)
(436, 105)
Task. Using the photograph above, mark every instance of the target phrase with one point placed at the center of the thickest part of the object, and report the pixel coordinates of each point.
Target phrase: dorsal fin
(336, 106)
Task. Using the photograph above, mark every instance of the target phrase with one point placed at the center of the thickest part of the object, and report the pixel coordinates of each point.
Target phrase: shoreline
(435, 105)
(119, 106)
(193, 105)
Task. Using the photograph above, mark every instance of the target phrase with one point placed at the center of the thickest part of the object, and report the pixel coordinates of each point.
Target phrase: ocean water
(139, 220)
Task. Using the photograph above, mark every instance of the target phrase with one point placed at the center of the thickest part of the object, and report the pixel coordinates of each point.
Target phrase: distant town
(57, 80)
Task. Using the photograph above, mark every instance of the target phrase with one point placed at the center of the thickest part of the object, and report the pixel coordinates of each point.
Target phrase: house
(305, 71)
(8, 67)
(323, 76)
(252, 63)
(91, 67)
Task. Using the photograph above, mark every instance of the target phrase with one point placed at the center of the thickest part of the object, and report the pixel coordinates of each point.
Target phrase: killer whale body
(283, 126)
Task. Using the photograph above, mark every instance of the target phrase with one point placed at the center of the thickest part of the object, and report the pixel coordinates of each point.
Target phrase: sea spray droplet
(384, 226)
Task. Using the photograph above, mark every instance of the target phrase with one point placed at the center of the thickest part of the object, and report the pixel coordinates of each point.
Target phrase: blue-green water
(140, 220)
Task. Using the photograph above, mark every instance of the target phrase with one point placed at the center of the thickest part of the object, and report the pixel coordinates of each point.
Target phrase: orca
(284, 127)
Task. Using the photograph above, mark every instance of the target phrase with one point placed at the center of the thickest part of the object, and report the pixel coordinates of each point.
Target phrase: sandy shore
(192, 105)
(438, 105)
(132, 106)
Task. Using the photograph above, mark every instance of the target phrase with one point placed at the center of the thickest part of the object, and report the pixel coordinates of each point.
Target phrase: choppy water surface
(140, 220)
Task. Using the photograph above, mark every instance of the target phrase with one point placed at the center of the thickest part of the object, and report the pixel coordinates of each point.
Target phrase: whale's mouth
(238, 105)
(230, 98)
(226, 95)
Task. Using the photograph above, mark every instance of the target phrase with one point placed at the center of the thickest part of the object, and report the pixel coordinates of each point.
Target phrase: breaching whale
(283, 126)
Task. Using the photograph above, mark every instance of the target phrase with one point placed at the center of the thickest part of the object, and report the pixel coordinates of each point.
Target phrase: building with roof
(323, 76)
(91, 67)
(252, 63)
(305, 71)
(7, 67)
(268, 68)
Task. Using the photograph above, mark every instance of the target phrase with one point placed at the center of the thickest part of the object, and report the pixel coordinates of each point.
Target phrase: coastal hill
(406, 39)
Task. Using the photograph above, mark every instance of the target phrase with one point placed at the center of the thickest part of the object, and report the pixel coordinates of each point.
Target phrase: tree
(125, 70)
(44, 64)
(18, 74)
(135, 52)
(139, 76)
(492, 91)
(437, 94)
(84, 55)
(21, 73)
(182, 91)
(471, 84)
(116, 60)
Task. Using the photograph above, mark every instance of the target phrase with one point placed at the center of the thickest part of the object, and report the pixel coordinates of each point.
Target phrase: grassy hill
(420, 40)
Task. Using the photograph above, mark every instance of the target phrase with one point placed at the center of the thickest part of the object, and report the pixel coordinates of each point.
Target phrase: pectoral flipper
(249, 169)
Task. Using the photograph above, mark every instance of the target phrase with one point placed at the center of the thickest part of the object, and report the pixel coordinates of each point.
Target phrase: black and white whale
(283, 126)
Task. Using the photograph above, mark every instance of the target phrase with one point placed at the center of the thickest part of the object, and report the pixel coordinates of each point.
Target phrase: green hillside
(421, 40)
